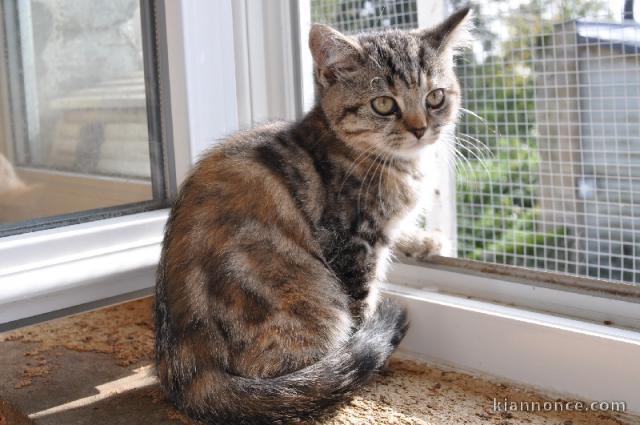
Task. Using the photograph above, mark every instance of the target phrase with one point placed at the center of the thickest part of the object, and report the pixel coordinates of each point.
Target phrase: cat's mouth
(410, 148)
(426, 140)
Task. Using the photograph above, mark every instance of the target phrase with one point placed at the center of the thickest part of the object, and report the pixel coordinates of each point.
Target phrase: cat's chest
(405, 195)
(376, 218)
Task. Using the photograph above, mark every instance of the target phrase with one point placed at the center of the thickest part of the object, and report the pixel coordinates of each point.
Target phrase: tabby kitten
(267, 304)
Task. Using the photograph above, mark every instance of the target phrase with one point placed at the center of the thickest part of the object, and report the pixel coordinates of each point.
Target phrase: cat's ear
(333, 53)
(452, 34)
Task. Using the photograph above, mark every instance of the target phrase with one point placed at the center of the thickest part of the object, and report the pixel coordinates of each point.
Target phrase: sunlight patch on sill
(142, 377)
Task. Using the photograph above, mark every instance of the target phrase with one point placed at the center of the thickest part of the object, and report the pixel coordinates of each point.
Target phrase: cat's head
(393, 91)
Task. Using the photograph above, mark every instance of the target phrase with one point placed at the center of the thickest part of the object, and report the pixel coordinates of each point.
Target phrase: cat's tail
(308, 393)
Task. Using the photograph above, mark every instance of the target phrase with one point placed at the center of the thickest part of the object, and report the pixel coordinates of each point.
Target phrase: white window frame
(514, 328)
(48, 273)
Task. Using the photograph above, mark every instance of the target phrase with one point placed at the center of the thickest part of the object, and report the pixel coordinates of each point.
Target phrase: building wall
(610, 111)
(558, 128)
(588, 121)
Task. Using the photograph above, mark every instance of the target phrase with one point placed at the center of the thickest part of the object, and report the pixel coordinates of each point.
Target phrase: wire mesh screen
(357, 15)
(548, 170)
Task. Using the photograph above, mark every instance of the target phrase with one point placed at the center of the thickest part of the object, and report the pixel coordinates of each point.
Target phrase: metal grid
(560, 98)
(549, 140)
(352, 16)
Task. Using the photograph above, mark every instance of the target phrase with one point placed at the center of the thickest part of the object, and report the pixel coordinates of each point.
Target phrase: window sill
(42, 274)
(52, 193)
(554, 354)
(564, 296)
(107, 261)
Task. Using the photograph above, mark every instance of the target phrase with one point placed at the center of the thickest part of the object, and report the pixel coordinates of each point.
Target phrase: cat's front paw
(422, 245)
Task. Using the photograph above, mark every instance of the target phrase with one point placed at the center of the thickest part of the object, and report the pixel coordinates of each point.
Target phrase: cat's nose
(418, 132)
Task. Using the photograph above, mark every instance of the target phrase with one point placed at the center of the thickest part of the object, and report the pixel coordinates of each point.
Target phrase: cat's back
(240, 247)
(240, 146)
(263, 173)
(254, 181)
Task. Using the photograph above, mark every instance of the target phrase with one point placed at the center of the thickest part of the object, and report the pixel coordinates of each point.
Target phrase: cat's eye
(384, 105)
(435, 98)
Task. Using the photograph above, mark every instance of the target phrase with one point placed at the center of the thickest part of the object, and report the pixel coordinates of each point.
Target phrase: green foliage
(502, 93)
(497, 211)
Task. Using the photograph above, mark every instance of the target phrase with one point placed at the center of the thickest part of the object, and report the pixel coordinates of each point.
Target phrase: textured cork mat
(95, 368)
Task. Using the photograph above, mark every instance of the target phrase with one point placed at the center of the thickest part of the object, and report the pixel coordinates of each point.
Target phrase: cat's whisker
(353, 166)
(395, 181)
(364, 181)
(484, 146)
(380, 164)
(380, 187)
(481, 153)
(463, 147)
(476, 143)
(469, 172)
(482, 161)
(460, 163)
(484, 121)
(375, 165)
(464, 162)
(464, 172)
(458, 158)
(452, 161)
(473, 114)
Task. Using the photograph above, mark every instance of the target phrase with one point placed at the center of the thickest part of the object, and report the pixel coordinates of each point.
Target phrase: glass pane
(548, 174)
(75, 132)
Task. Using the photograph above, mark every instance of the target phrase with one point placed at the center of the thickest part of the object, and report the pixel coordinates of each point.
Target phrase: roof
(623, 36)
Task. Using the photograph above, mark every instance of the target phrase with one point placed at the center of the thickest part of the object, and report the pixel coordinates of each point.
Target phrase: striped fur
(266, 299)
